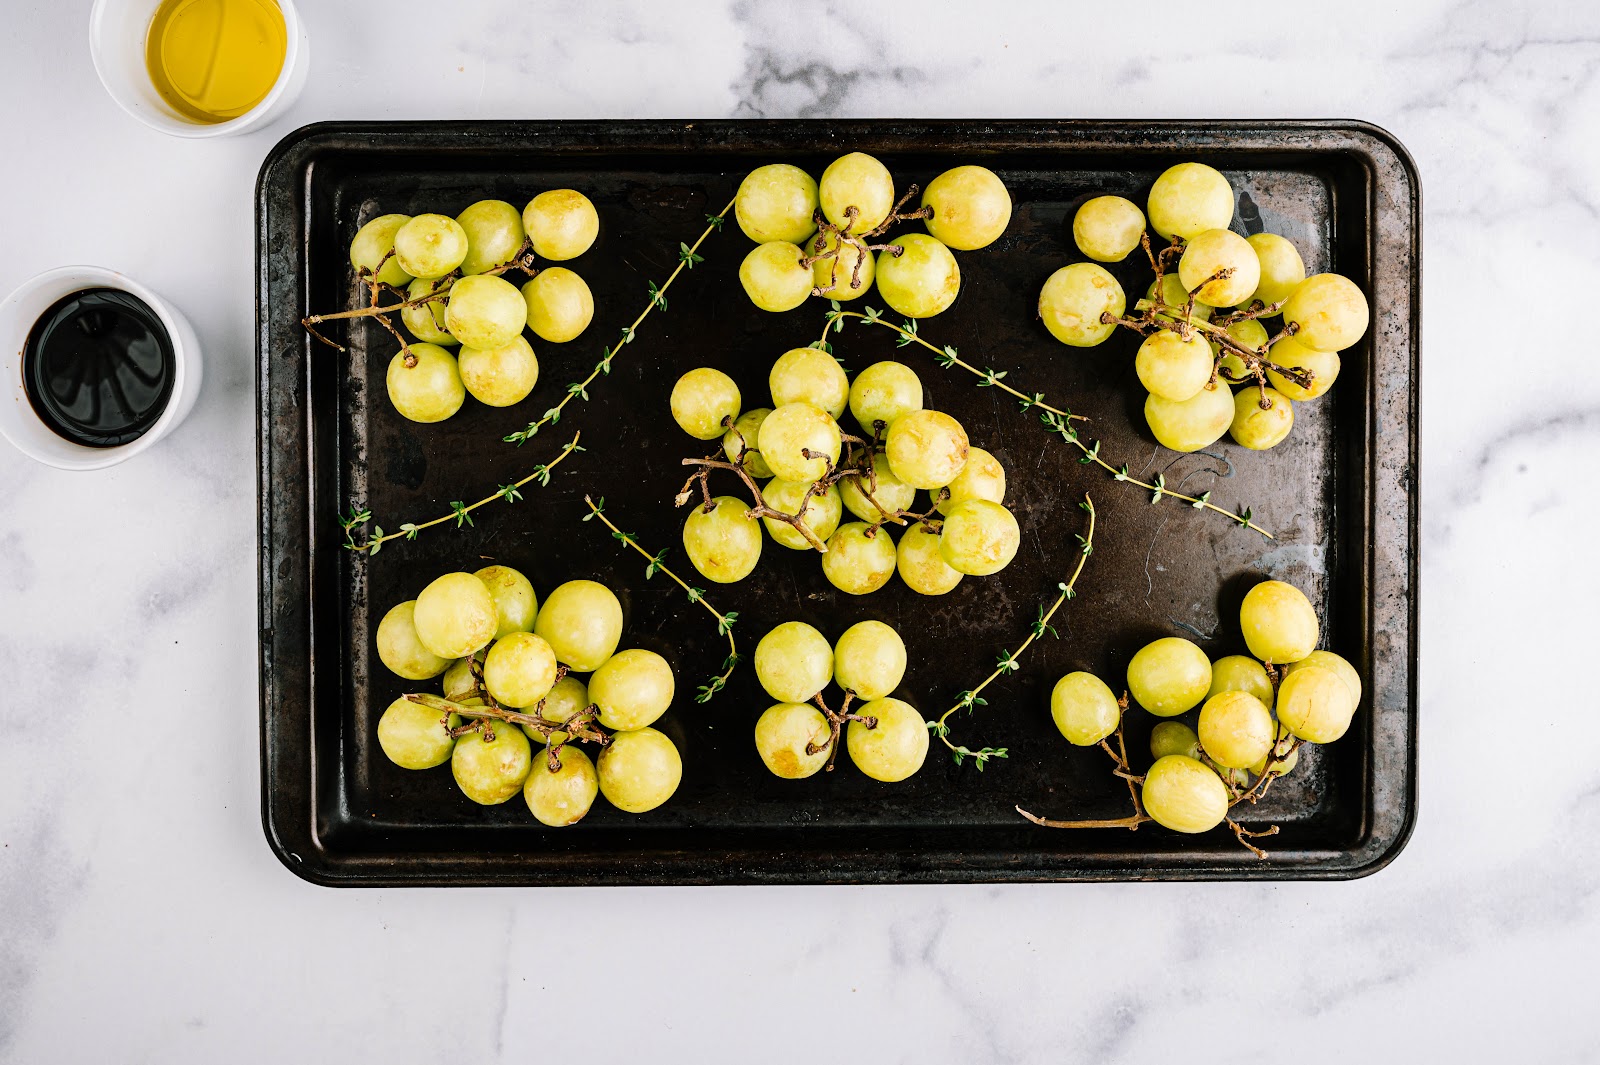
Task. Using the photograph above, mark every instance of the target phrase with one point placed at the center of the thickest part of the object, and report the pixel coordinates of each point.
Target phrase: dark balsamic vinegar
(98, 367)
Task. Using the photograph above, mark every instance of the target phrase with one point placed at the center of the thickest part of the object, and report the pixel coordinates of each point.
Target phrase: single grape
(430, 391)
(858, 563)
(981, 478)
(791, 431)
(582, 622)
(569, 696)
(1330, 661)
(459, 683)
(1235, 729)
(921, 564)
(413, 736)
(883, 392)
(971, 207)
(455, 616)
(1259, 429)
(494, 234)
(1175, 296)
(705, 403)
(426, 321)
(1193, 423)
(1315, 704)
(491, 771)
(1211, 252)
(1189, 199)
(401, 649)
(1282, 269)
(927, 448)
(1324, 367)
(1107, 228)
(745, 436)
(1174, 737)
(1180, 793)
(561, 797)
(922, 280)
(500, 377)
(1240, 673)
(519, 670)
(1282, 758)
(809, 375)
(1073, 300)
(793, 662)
(783, 734)
(821, 516)
(632, 689)
(1169, 676)
(774, 277)
(430, 245)
(895, 748)
(639, 770)
(870, 660)
(892, 494)
(373, 242)
(860, 181)
(1249, 332)
(776, 202)
(1084, 709)
(515, 602)
(1172, 367)
(837, 277)
(979, 537)
(724, 543)
(560, 305)
(485, 312)
(1279, 623)
(1330, 310)
(562, 224)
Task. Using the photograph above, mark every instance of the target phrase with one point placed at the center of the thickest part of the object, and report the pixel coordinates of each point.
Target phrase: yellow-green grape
(1182, 794)
(981, 478)
(1189, 199)
(1193, 423)
(485, 312)
(1211, 252)
(858, 563)
(639, 770)
(562, 224)
(774, 277)
(1282, 269)
(1240, 673)
(373, 242)
(494, 233)
(895, 748)
(1084, 709)
(430, 245)
(1279, 623)
(892, 494)
(784, 732)
(791, 431)
(809, 375)
(822, 514)
(519, 670)
(860, 181)
(491, 771)
(414, 736)
(745, 436)
(455, 616)
(1324, 367)
(430, 391)
(1315, 704)
(979, 537)
(426, 321)
(569, 696)
(1169, 676)
(402, 651)
(705, 403)
(1330, 310)
(500, 377)
(1256, 428)
(837, 278)
(1107, 228)
(776, 202)
(1285, 760)
(1174, 737)
(971, 207)
(1235, 729)
(459, 683)
(514, 599)
(560, 305)
(1249, 332)
(793, 662)
(922, 565)
(870, 660)
(1330, 661)
(632, 689)
(582, 622)
(561, 797)
(927, 448)
(724, 543)
(1171, 367)
(922, 280)
(1175, 296)
(883, 392)
(1073, 300)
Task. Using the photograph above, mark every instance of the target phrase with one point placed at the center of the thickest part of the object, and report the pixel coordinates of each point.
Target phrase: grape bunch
(1202, 322)
(511, 679)
(815, 238)
(447, 273)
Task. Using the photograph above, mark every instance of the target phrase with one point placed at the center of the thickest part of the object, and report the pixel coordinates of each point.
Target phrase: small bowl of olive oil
(199, 68)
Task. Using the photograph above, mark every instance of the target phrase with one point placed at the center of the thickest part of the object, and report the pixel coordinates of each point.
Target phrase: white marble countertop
(143, 918)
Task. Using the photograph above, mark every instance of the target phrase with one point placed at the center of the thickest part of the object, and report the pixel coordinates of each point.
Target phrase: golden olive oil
(213, 60)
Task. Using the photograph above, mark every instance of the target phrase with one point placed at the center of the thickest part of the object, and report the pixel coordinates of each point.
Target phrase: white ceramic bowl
(18, 422)
(117, 33)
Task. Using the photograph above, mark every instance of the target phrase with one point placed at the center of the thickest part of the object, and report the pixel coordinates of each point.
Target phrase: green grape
(1315, 704)
(1324, 367)
(491, 771)
(459, 683)
(1279, 623)
(1282, 269)
(860, 181)
(632, 689)
(402, 651)
(837, 278)
(979, 537)
(793, 662)
(374, 241)
(774, 277)
(745, 436)
(562, 224)
(1189, 199)
(1174, 737)
(794, 429)
(883, 392)
(500, 377)
(705, 403)
(724, 543)
(856, 562)
(455, 616)
(430, 391)
(639, 770)
(1172, 367)
(1073, 300)
(413, 736)
(809, 375)
(1215, 250)
(582, 622)
(1240, 673)
(971, 207)
(1235, 729)
(922, 280)
(821, 516)
(1084, 709)
(430, 245)
(1169, 676)
(1286, 759)
(1259, 429)
(981, 478)
(895, 748)
(494, 234)
(926, 448)
(560, 305)
(1174, 295)
(561, 797)
(1238, 778)
(569, 696)
(776, 202)
(519, 670)
(893, 494)
(1193, 423)
(1180, 793)
(426, 321)
(1329, 309)
(870, 660)
(1334, 663)
(1250, 333)
(1107, 228)
(514, 599)
(921, 564)
(485, 312)
(783, 734)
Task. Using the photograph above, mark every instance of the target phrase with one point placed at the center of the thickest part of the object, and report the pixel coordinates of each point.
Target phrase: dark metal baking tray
(1341, 495)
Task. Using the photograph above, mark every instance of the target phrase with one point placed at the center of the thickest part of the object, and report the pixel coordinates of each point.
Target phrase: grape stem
(820, 250)
(836, 721)
(580, 726)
